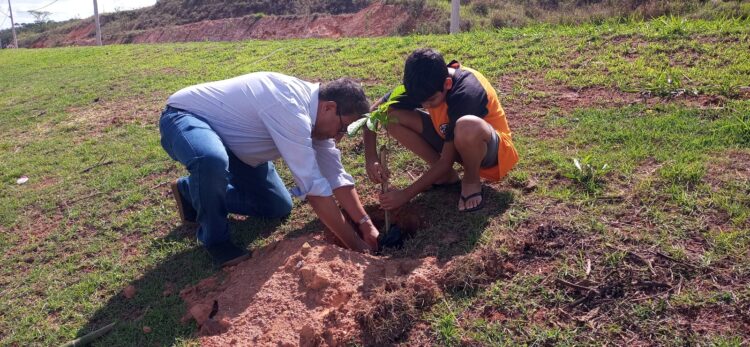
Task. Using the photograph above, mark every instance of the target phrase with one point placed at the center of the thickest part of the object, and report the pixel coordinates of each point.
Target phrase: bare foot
(451, 177)
(467, 201)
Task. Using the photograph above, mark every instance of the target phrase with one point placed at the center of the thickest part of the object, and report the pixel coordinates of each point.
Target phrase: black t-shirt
(466, 97)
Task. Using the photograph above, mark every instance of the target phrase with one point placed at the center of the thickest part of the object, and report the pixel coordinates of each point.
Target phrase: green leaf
(372, 124)
(353, 128)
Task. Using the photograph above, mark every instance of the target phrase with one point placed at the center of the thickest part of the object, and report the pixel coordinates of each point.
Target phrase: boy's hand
(393, 199)
(375, 171)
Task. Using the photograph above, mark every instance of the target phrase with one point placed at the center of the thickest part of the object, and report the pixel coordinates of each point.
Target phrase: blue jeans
(219, 183)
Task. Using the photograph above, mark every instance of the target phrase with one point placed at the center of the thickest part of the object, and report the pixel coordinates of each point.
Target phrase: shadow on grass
(150, 307)
(436, 227)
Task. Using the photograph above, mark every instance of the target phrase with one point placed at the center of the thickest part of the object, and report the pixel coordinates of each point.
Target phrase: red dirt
(377, 19)
(300, 291)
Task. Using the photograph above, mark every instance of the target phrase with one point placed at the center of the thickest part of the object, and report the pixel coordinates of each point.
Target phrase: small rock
(22, 180)
(200, 313)
(312, 279)
(306, 248)
(129, 292)
(146, 329)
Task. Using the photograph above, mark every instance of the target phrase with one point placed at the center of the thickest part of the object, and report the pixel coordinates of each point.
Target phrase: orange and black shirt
(471, 94)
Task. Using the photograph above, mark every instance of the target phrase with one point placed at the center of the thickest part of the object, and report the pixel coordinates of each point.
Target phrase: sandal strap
(479, 193)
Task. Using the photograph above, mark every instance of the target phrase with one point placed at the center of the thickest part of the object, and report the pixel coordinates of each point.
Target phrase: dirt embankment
(378, 19)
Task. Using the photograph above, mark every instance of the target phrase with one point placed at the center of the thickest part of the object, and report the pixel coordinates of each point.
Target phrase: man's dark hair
(424, 74)
(348, 95)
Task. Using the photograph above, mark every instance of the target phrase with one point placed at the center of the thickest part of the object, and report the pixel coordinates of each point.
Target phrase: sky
(64, 9)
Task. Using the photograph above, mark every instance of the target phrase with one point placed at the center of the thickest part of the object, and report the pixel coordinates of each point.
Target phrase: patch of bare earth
(600, 293)
(103, 114)
(730, 166)
(302, 291)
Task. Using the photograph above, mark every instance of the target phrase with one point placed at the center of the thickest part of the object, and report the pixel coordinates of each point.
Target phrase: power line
(45, 6)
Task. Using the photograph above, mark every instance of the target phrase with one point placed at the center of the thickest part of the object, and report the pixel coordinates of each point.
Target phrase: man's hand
(370, 235)
(328, 212)
(394, 199)
(376, 172)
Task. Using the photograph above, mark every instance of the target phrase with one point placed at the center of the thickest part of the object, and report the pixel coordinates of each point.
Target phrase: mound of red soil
(300, 291)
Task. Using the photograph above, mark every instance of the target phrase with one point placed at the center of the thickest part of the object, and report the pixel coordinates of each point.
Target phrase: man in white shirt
(227, 133)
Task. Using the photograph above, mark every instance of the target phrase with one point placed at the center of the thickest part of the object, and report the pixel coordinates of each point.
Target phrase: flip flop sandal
(480, 193)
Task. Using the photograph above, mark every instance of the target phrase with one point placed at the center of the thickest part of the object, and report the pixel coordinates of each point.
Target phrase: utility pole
(13, 26)
(98, 27)
(455, 16)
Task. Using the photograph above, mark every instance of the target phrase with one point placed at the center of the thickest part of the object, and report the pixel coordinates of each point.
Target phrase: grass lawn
(648, 242)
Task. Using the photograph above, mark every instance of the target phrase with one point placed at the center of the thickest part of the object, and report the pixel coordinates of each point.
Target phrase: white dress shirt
(263, 116)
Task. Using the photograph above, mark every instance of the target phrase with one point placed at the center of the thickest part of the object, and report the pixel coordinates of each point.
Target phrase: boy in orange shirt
(449, 113)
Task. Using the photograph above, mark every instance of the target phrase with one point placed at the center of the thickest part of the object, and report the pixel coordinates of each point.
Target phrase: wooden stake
(384, 184)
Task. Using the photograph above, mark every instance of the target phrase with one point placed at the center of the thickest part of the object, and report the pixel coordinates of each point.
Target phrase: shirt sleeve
(290, 129)
(329, 161)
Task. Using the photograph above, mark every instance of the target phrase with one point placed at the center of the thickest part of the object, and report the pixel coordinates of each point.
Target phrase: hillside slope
(228, 20)
(376, 20)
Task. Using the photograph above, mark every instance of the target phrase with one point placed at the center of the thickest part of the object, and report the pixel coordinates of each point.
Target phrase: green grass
(71, 239)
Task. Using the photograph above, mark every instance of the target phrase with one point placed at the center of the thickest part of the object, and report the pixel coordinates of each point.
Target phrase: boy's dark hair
(348, 95)
(424, 74)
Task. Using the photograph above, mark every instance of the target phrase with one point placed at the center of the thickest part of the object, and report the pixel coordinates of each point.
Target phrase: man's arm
(328, 212)
(329, 162)
(349, 200)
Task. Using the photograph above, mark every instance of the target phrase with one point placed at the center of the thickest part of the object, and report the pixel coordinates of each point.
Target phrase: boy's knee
(469, 129)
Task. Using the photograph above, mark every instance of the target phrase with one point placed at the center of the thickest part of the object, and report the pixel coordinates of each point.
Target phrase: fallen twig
(670, 258)
(581, 300)
(90, 337)
(577, 286)
(637, 257)
(68, 203)
(98, 164)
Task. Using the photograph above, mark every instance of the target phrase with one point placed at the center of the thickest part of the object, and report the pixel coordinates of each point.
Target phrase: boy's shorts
(489, 168)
